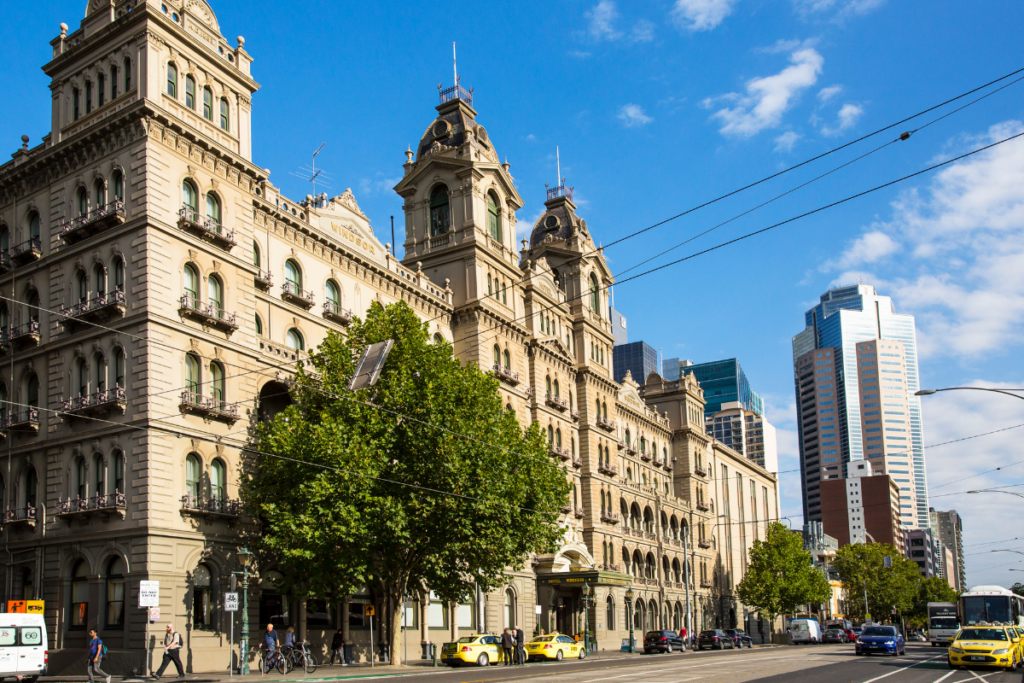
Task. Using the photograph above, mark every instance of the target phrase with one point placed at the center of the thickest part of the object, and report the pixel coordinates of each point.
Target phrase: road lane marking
(680, 668)
(878, 678)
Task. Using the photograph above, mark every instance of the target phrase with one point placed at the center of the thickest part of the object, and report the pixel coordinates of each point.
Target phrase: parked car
(662, 641)
(556, 646)
(851, 634)
(884, 639)
(805, 631)
(740, 638)
(714, 640)
(834, 635)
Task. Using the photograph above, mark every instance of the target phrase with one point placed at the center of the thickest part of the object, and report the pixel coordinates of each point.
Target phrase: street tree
(421, 482)
(780, 576)
(861, 568)
(934, 589)
(1017, 588)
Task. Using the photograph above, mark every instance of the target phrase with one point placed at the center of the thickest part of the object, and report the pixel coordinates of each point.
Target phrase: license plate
(977, 658)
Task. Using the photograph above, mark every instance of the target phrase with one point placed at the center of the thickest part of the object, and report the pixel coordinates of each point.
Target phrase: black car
(662, 641)
(834, 635)
(714, 640)
(739, 637)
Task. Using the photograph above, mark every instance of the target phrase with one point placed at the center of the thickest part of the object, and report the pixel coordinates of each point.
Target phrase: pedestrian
(270, 644)
(760, 631)
(520, 646)
(507, 643)
(289, 637)
(543, 632)
(96, 649)
(338, 648)
(172, 653)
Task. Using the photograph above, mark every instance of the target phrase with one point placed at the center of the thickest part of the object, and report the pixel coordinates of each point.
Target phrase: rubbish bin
(428, 650)
(349, 656)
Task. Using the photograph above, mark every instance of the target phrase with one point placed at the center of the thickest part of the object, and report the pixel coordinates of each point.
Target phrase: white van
(24, 648)
(805, 631)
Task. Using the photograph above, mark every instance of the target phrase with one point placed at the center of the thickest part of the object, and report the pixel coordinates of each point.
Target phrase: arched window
(493, 216)
(5, 239)
(79, 483)
(30, 487)
(255, 254)
(118, 185)
(191, 281)
(127, 74)
(597, 405)
(33, 391)
(558, 438)
(115, 593)
(172, 80)
(75, 98)
(118, 274)
(510, 609)
(101, 88)
(293, 274)
(207, 103)
(217, 384)
(294, 340)
(609, 613)
(490, 285)
(192, 472)
(556, 388)
(113, 82)
(629, 473)
(192, 373)
(83, 202)
(218, 481)
(643, 445)
(497, 356)
(99, 372)
(440, 214)
(79, 596)
(202, 602)
(628, 436)
(595, 304)
(215, 292)
(99, 279)
(213, 208)
(551, 435)
(88, 97)
(190, 198)
(118, 459)
(547, 381)
(508, 359)
(604, 410)
(33, 226)
(190, 92)
(259, 326)
(224, 114)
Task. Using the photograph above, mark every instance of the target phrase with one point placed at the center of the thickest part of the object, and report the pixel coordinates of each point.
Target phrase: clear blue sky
(660, 106)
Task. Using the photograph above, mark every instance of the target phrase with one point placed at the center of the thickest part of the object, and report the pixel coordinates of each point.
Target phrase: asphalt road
(802, 664)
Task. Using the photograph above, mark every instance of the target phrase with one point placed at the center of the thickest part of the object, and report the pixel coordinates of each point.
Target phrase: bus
(943, 623)
(992, 604)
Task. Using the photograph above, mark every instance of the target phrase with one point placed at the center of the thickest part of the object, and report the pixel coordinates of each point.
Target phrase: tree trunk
(394, 597)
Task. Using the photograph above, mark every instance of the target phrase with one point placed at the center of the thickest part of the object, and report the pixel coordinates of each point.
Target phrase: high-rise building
(746, 432)
(855, 374)
(672, 369)
(723, 381)
(619, 331)
(926, 550)
(950, 529)
(639, 359)
(862, 508)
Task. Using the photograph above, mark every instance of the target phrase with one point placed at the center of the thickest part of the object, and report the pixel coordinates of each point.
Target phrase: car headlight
(956, 649)
(1000, 652)
(890, 642)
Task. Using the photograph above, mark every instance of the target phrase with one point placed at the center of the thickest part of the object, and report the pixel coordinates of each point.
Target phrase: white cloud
(781, 45)
(524, 226)
(842, 9)
(643, 32)
(826, 94)
(632, 115)
(579, 54)
(700, 15)
(601, 21)
(530, 138)
(870, 247)
(849, 114)
(786, 141)
(768, 98)
(377, 184)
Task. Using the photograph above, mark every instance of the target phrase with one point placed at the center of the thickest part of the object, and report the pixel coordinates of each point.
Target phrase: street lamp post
(629, 601)
(1009, 493)
(245, 558)
(1008, 392)
(587, 602)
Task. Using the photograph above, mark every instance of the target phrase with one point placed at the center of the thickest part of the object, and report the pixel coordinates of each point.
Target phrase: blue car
(885, 640)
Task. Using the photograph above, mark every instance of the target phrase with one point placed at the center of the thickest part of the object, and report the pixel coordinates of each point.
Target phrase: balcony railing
(263, 279)
(5, 262)
(557, 402)
(214, 507)
(575, 414)
(100, 503)
(610, 517)
(207, 228)
(99, 402)
(567, 508)
(606, 424)
(99, 307)
(609, 567)
(608, 469)
(562, 452)
(207, 313)
(705, 584)
(645, 456)
(577, 461)
(292, 293)
(26, 252)
(560, 191)
(96, 221)
(700, 471)
(630, 450)
(704, 543)
(579, 513)
(333, 311)
(667, 464)
(26, 334)
(20, 516)
(25, 421)
(456, 92)
(703, 507)
(197, 404)
(621, 445)
(507, 375)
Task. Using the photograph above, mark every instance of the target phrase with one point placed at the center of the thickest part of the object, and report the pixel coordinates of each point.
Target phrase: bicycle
(275, 660)
(301, 657)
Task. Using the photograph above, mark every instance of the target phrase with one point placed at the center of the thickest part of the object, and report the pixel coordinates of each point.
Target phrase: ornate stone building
(158, 289)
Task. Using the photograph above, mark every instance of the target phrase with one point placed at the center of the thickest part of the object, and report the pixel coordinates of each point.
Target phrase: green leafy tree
(1017, 588)
(434, 486)
(861, 566)
(780, 576)
(934, 589)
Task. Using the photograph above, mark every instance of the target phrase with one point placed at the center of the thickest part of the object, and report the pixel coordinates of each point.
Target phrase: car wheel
(668, 649)
(558, 656)
(583, 654)
(721, 646)
(483, 660)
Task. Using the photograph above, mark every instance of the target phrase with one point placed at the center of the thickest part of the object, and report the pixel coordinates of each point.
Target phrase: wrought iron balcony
(5, 262)
(645, 456)
(332, 311)
(559, 191)
(102, 504)
(263, 279)
(528, 390)
(579, 513)
(25, 421)
(25, 516)
(207, 313)
(99, 219)
(208, 407)
(562, 452)
(456, 92)
(575, 414)
(621, 445)
(630, 450)
(610, 517)
(667, 464)
(292, 293)
(26, 252)
(577, 461)
(606, 424)
(703, 507)
(100, 402)
(608, 469)
(212, 507)
(704, 543)
(20, 336)
(507, 375)
(567, 508)
(700, 471)
(705, 584)
(609, 567)
(557, 402)
(190, 219)
(97, 308)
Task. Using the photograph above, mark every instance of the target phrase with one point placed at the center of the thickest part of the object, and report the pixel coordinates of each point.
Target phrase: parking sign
(231, 602)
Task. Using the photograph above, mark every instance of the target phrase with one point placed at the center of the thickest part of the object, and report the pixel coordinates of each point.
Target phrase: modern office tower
(747, 433)
(619, 331)
(950, 529)
(855, 373)
(723, 381)
(638, 358)
(862, 508)
(923, 548)
(672, 369)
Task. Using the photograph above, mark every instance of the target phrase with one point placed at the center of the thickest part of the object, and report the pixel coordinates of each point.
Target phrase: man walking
(507, 643)
(338, 648)
(95, 655)
(520, 646)
(172, 653)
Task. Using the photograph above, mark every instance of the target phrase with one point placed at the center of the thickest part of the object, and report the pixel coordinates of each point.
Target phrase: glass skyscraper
(723, 381)
(855, 397)
(639, 358)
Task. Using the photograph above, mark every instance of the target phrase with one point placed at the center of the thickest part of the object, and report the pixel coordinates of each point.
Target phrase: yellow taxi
(986, 645)
(554, 646)
(481, 649)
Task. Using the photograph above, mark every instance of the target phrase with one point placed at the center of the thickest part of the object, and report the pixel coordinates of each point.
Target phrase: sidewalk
(340, 673)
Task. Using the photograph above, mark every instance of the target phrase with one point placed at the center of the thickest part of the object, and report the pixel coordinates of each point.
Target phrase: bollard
(434, 652)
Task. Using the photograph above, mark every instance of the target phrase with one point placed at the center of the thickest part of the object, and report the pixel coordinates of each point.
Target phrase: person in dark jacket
(520, 646)
(338, 648)
(507, 643)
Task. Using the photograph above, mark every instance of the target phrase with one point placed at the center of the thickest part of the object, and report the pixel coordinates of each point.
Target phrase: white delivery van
(805, 631)
(24, 648)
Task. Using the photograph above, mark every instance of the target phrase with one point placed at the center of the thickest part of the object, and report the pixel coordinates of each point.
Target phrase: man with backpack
(172, 647)
(96, 651)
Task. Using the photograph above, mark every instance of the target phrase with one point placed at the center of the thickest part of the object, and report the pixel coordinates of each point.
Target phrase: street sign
(154, 615)
(149, 593)
(369, 610)
(34, 606)
(887, 561)
(16, 606)
(231, 602)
